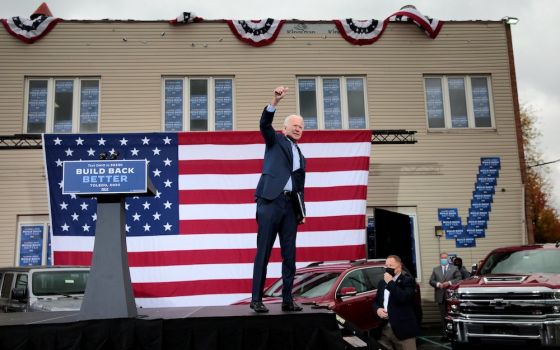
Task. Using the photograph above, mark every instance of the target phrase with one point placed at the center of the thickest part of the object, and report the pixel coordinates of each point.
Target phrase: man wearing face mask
(443, 276)
(394, 305)
(458, 262)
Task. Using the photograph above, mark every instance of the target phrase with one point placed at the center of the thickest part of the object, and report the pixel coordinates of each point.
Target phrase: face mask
(390, 271)
(443, 262)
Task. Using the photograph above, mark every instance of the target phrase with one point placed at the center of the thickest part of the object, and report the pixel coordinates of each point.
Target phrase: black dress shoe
(258, 307)
(291, 306)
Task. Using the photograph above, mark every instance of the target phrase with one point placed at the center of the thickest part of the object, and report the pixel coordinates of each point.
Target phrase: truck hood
(61, 303)
(510, 280)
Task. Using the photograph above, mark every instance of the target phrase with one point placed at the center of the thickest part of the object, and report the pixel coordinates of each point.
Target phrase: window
(34, 244)
(458, 102)
(62, 105)
(197, 104)
(7, 285)
(332, 102)
(359, 280)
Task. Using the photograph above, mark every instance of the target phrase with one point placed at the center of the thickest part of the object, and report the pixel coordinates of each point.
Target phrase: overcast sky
(535, 37)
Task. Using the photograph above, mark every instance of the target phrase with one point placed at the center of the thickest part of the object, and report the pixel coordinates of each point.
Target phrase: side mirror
(346, 292)
(474, 267)
(19, 294)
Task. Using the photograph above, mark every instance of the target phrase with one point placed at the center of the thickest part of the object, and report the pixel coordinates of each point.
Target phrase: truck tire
(460, 346)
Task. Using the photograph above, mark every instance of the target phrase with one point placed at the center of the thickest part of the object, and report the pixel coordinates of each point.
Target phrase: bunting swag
(366, 32)
(431, 26)
(256, 32)
(360, 32)
(186, 18)
(30, 30)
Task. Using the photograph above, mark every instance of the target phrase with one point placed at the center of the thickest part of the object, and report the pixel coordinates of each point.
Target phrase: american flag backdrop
(193, 243)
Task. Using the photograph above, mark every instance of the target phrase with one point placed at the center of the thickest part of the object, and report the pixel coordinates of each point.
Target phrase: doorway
(393, 231)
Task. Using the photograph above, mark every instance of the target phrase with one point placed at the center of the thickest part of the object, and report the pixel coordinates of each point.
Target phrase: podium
(109, 289)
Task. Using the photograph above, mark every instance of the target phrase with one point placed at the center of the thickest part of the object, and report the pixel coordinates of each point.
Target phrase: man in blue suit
(279, 195)
(394, 304)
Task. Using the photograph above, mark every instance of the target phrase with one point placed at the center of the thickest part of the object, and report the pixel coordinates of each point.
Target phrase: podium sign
(109, 289)
(104, 176)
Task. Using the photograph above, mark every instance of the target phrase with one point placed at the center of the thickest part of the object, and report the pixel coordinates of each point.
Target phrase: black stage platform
(204, 328)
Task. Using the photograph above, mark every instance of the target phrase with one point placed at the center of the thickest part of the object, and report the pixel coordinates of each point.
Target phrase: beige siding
(439, 171)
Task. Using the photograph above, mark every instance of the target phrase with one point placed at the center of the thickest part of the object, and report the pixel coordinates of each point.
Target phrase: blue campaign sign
(452, 224)
(482, 197)
(491, 162)
(465, 242)
(479, 206)
(104, 176)
(488, 172)
(448, 213)
(31, 245)
(487, 181)
(484, 189)
(477, 223)
(452, 234)
(475, 232)
(478, 215)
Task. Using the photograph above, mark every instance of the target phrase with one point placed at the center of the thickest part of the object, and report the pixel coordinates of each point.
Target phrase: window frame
(211, 88)
(76, 102)
(467, 78)
(34, 220)
(345, 121)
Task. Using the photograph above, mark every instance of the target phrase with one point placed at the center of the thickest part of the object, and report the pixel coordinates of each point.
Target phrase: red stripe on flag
(313, 194)
(328, 223)
(240, 256)
(255, 137)
(245, 166)
(189, 288)
(215, 256)
(254, 166)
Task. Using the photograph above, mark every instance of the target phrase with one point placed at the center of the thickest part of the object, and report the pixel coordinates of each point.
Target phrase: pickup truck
(42, 288)
(513, 297)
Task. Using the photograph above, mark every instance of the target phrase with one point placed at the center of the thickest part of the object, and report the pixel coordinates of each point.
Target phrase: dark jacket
(401, 305)
(278, 162)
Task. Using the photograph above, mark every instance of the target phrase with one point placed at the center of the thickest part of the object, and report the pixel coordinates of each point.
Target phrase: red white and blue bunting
(365, 32)
(430, 26)
(186, 18)
(29, 30)
(256, 32)
(360, 32)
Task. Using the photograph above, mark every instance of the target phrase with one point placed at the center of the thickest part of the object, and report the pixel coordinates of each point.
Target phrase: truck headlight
(556, 294)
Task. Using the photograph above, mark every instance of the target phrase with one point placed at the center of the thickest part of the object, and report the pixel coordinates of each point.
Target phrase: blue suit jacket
(278, 162)
(401, 305)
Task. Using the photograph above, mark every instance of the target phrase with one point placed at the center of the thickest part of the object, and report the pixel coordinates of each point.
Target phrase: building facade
(456, 91)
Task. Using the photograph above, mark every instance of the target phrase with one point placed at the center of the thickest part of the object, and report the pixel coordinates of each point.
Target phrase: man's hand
(387, 277)
(302, 221)
(279, 94)
(382, 313)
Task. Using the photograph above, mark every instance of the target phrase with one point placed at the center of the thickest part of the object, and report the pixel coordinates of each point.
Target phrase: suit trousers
(389, 341)
(442, 307)
(274, 218)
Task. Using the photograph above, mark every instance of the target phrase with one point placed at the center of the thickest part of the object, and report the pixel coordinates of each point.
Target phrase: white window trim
(468, 96)
(76, 102)
(33, 220)
(211, 88)
(343, 99)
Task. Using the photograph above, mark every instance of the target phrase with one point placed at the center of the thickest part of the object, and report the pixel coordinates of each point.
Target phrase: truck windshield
(523, 262)
(59, 282)
(307, 285)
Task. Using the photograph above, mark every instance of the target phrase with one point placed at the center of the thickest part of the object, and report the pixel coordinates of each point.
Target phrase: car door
(15, 305)
(358, 309)
(6, 291)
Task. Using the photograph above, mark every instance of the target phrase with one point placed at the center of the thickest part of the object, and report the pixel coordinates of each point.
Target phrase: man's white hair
(287, 119)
